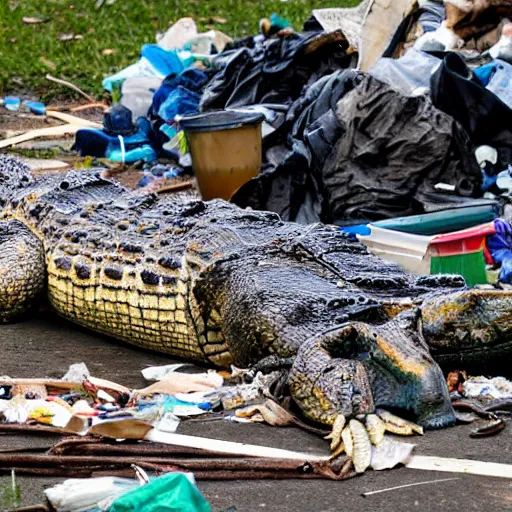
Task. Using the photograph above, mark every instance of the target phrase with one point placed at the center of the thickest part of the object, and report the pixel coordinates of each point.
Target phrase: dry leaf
(29, 20)
(218, 19)
(48, 63)
(79, 36)
(108, 51)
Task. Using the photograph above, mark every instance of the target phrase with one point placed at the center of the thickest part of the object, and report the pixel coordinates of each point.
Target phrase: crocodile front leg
(354, 368)
(22, 270)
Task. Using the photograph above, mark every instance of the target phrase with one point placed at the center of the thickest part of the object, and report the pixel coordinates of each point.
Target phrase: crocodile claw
(358, 438)
(337, 429)
(397, 425)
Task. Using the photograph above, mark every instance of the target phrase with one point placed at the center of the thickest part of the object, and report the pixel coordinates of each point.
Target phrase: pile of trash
(363, 121)
(89, 401)
(111, 434)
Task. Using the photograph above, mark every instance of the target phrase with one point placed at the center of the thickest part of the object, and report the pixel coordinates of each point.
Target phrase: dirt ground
(45, 346)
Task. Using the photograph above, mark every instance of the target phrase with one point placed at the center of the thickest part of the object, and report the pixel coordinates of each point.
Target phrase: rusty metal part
(205, 469)
(491, 429)
(471, 405)
(8, 428)
(93, 446)
(31, 508)
(35, 449)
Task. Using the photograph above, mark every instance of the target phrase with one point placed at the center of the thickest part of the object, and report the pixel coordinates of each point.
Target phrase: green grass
(28, 52)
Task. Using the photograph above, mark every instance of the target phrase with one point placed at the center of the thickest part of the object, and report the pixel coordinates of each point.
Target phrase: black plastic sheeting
(360, 151)
(274, 73)
(458, 92)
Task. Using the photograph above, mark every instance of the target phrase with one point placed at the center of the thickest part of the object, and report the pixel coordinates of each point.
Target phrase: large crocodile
(211, 282)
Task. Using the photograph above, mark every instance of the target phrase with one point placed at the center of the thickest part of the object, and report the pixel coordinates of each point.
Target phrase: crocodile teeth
(362, 447)
(397, 425)
(337, 428)
(376, 429)
(346, 435)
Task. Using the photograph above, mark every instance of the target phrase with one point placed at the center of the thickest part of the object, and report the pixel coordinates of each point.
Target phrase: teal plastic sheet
(169, 493)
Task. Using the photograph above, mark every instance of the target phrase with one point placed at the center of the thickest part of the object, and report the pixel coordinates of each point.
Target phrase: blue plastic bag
(500, 247)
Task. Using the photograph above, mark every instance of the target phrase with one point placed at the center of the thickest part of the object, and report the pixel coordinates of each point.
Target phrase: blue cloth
(179, 94)
(432, 16)
(484, 73)
(500, 247)
(163, 61)
(98, 143)
(497, 78)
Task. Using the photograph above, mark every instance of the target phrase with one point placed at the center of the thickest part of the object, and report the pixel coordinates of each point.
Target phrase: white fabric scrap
(389, 453)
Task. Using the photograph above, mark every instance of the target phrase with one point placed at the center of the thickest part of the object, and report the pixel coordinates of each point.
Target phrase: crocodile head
(356, 367)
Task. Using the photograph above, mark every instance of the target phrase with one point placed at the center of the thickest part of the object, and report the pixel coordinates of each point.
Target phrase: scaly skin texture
(22, 270)
(214, 283)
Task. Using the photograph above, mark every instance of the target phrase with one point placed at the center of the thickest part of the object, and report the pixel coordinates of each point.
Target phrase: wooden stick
(70, 85)
(135, 429)
(80, 108)
(64, 385)
(175, 188)
(469, 467)
(68, 118)
(52, 131)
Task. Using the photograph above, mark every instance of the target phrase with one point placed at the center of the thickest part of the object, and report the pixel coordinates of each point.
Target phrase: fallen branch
(70, 85)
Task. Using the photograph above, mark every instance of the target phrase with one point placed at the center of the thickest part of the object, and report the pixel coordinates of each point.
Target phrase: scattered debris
(358, 122)
(491, 429)
(31, 20)
(365, 494)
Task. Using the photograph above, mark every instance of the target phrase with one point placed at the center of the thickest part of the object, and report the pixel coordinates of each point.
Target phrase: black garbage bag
(388, 153)
(275, 72)
(458, 92)
(296, 152)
